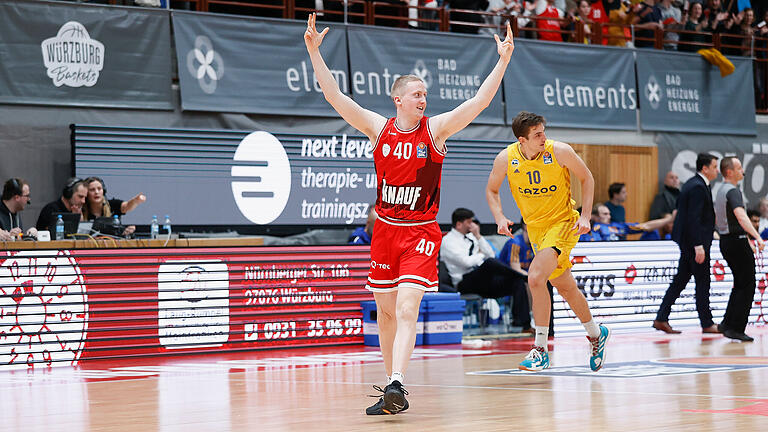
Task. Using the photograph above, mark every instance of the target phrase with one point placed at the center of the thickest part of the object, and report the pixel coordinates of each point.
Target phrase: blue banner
(684, 93)
(453, 67)
(246, 65)
(572, 86)
(78, 55)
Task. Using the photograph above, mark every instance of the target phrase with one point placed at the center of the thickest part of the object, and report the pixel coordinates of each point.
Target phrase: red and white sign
(61, 307)
(43, 309)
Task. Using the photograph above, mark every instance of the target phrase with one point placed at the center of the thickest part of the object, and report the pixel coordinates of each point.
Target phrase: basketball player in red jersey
(408, 156)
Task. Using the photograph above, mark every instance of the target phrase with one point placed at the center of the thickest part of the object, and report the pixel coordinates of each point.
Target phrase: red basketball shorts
(404, 256)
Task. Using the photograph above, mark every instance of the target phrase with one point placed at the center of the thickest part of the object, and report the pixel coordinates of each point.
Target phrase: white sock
(541, 336)
(592, 329)
(396, 376)
(388, 378)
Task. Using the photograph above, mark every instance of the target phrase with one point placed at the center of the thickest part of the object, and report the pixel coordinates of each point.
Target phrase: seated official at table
(97, 205)
(71, 201)
(14, 199)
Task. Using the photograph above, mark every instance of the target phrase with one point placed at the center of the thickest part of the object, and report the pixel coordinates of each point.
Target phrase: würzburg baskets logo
(72, 58)
(43, 309)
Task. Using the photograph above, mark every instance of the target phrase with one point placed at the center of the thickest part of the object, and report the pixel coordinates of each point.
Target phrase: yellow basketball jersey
(541, 187)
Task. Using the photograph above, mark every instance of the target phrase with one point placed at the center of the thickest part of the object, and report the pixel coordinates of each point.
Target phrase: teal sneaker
(597, 359)
(536, 360)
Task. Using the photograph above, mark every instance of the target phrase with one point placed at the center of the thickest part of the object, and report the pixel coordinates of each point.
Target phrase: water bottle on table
(59, 228)
(167, 226)
(153, 228)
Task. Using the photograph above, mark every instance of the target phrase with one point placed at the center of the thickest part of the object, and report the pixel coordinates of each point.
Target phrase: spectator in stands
(666, 200)
(14, 199)
(609, 5)
(595, 234)
(581, 15)
(395, 9)
(504, 10)
(524, 21)
(647, 20)
(754, 218)
(427, 14)
(730, 35)
(617, 194)
(362, 235)
(663, 232)
(550, 23)
(696, 22)
(672, 19)
(604, 229)
(474, 269)
(762, 207)
(747, 31)
(474, 18)
(598, 13)
(619, 17)
(761, 53)
(71, 201)
(97, 205)
(517, 253)
(716, 16)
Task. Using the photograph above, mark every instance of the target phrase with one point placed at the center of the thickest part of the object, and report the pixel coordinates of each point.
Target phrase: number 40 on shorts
(425, 247)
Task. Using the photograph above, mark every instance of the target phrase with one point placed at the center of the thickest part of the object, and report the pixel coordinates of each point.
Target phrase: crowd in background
(552, 20)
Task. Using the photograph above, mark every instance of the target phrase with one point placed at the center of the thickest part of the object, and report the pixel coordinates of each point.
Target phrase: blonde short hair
(400, 83)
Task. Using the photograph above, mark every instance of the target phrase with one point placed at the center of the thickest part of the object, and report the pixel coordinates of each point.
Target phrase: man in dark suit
(694, 225)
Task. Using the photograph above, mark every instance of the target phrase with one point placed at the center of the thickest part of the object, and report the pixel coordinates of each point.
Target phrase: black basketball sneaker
(391, 402)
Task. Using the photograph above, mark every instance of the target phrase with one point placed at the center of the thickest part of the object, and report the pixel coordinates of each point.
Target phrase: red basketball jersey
(408, 168)
(549, 12)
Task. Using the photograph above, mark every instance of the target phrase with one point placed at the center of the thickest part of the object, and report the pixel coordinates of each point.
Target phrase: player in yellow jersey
(539, 174)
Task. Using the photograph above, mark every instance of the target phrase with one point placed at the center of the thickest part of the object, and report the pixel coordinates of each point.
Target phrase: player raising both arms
(408, 152)
(539, 174)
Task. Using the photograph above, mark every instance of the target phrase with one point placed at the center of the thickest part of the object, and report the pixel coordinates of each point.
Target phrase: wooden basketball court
(650, 382)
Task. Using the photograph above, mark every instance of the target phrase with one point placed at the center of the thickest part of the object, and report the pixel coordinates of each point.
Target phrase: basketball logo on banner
(72, 58)
(43, 309)
(261, 180)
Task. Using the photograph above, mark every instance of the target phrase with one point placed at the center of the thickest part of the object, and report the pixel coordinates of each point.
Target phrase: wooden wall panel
(637, 167)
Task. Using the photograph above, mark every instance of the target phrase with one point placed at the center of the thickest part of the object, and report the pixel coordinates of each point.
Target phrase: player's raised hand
(312, 38)
(506, 46)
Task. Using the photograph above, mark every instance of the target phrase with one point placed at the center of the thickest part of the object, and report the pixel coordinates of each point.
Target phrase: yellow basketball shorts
(558, 235)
